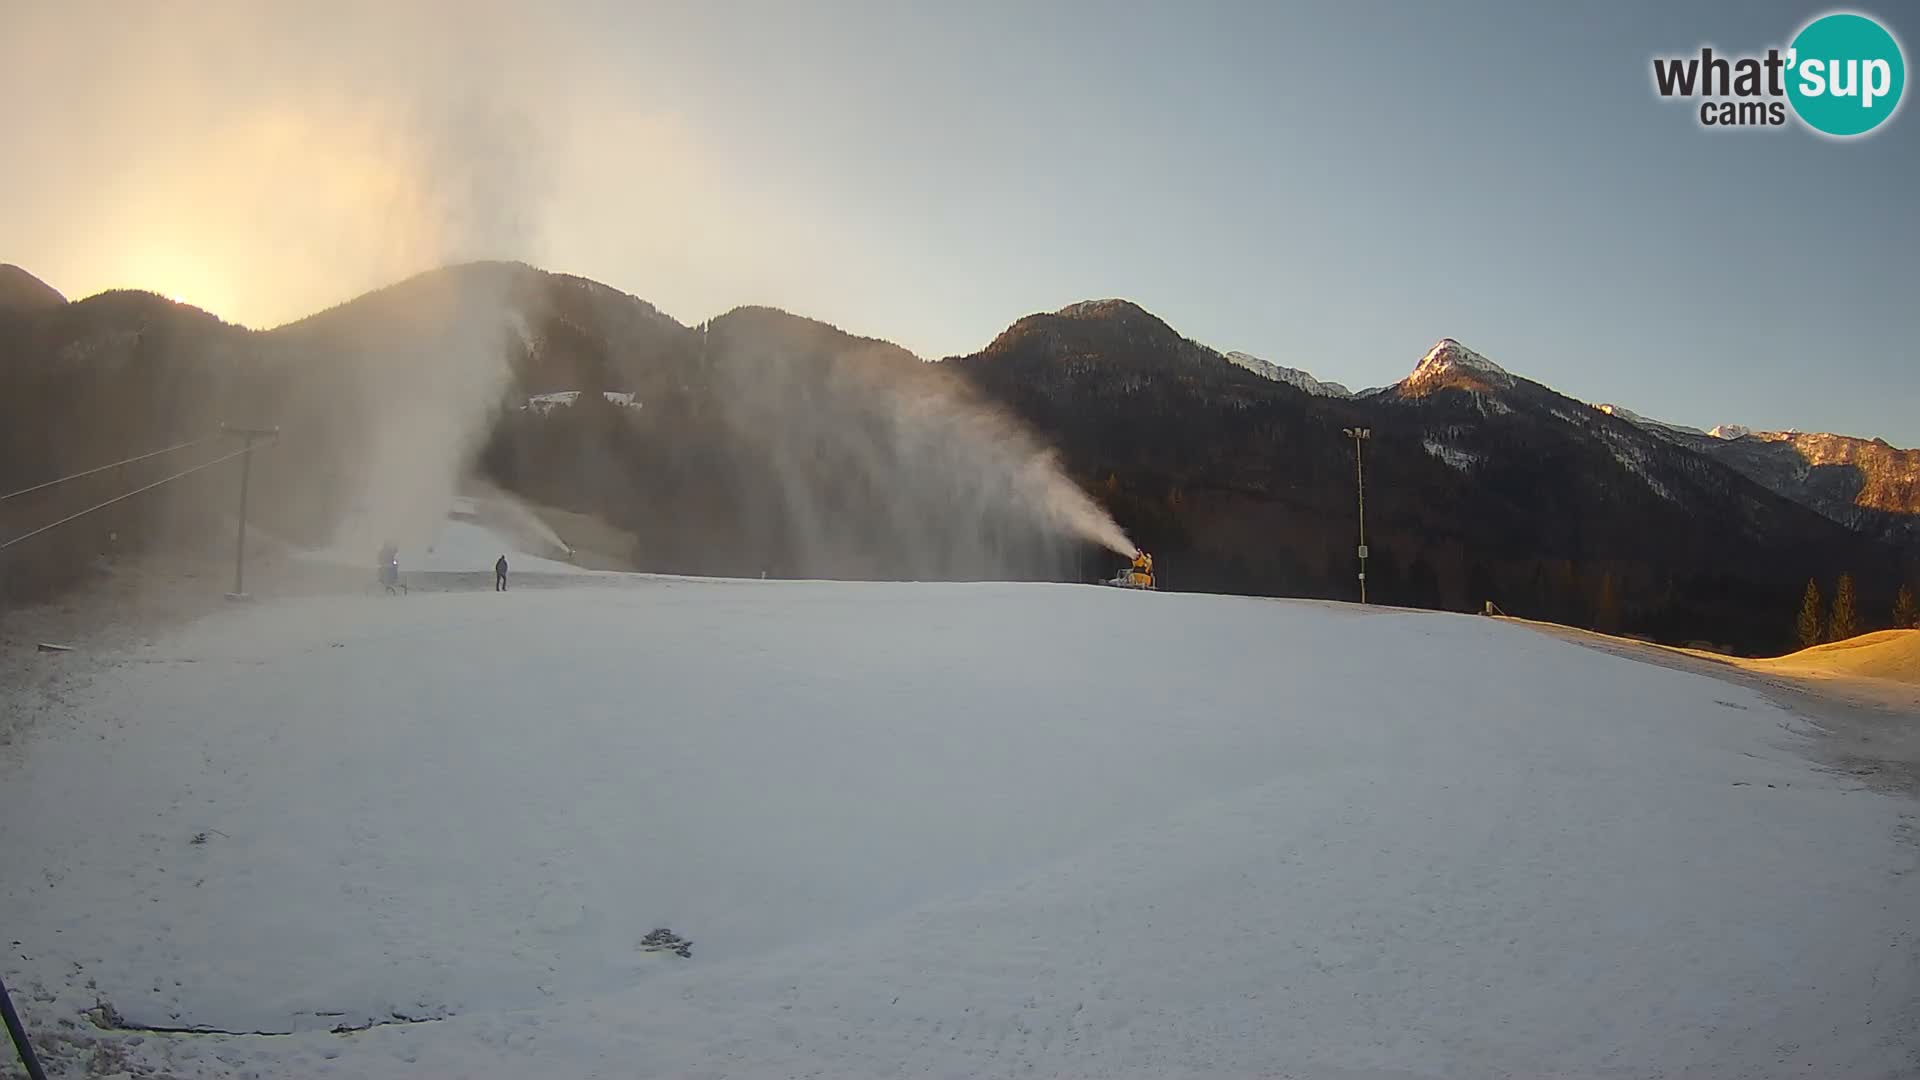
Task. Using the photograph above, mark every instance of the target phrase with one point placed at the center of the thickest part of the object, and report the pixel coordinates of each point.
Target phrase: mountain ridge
(1292, 376)
(21, 291)
(1496, 487)
(1492, 486)
(1446, 357)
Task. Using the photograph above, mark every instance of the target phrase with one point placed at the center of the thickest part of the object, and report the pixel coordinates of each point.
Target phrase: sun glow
(182, 279)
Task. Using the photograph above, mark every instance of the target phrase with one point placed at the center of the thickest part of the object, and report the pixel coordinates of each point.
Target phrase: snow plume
(512, 518)
(388, 404)
(1071, 510)
(426, 385)
(390, 398)
(428, 418)
(882, 465)
(287, 162)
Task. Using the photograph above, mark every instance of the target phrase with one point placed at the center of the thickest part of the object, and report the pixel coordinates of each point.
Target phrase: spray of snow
(860, 461)
(517, 521)
(418, 406)
(1071, 510)
(383, 406)
(880, 461)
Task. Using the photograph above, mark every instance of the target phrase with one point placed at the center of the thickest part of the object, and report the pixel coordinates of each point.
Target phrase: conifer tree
(1845, 622)
(1906, 614)
(1808, 629)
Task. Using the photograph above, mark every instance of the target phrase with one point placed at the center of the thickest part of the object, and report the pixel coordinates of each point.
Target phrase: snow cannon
(1139, 575)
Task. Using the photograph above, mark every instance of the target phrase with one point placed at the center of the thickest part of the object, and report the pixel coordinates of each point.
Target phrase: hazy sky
(1331, 186)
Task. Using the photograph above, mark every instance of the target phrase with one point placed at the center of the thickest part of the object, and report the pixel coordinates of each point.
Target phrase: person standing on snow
(390, 568)
(500, 575)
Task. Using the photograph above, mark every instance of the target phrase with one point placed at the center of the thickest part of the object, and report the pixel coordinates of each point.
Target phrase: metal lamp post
(1360, 435)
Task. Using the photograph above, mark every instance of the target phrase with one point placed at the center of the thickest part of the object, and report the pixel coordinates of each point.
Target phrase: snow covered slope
(1658, 427)
(1295, 377)
(1450, 363)
(959, 830)
(468, 546)
(459, 545)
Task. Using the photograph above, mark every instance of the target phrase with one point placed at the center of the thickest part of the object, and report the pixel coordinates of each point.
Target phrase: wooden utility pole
(246, 469)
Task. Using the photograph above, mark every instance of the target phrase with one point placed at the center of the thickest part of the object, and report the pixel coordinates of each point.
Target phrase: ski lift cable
(120, 498)
(104, 468)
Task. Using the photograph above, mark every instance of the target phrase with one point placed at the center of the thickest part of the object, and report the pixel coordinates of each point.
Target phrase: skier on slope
(500, 575)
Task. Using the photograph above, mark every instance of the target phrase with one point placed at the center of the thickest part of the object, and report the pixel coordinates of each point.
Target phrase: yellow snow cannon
(1137, 576)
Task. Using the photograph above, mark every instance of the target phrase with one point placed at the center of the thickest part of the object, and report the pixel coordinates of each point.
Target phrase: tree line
(1842, 620)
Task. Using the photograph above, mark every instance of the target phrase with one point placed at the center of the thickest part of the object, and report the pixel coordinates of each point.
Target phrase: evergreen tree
(1808, 629)
(1844, 622)
(1906, 613)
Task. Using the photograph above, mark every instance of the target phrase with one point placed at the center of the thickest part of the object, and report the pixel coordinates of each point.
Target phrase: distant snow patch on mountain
(1100, 309)
(1658, 427)
(1631, 461)
(1632, 457)
(1294, 377)
(1730, 431)
(1452, 455)
(1491, 406)
(546, 403)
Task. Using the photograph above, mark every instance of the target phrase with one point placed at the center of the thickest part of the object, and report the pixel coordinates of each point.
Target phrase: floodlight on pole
(1360, 435)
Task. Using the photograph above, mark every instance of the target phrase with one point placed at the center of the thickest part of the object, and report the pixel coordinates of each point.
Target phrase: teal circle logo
(1845, 73)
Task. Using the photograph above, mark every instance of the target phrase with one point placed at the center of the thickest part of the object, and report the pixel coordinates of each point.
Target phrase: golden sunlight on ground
(1883, 654)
